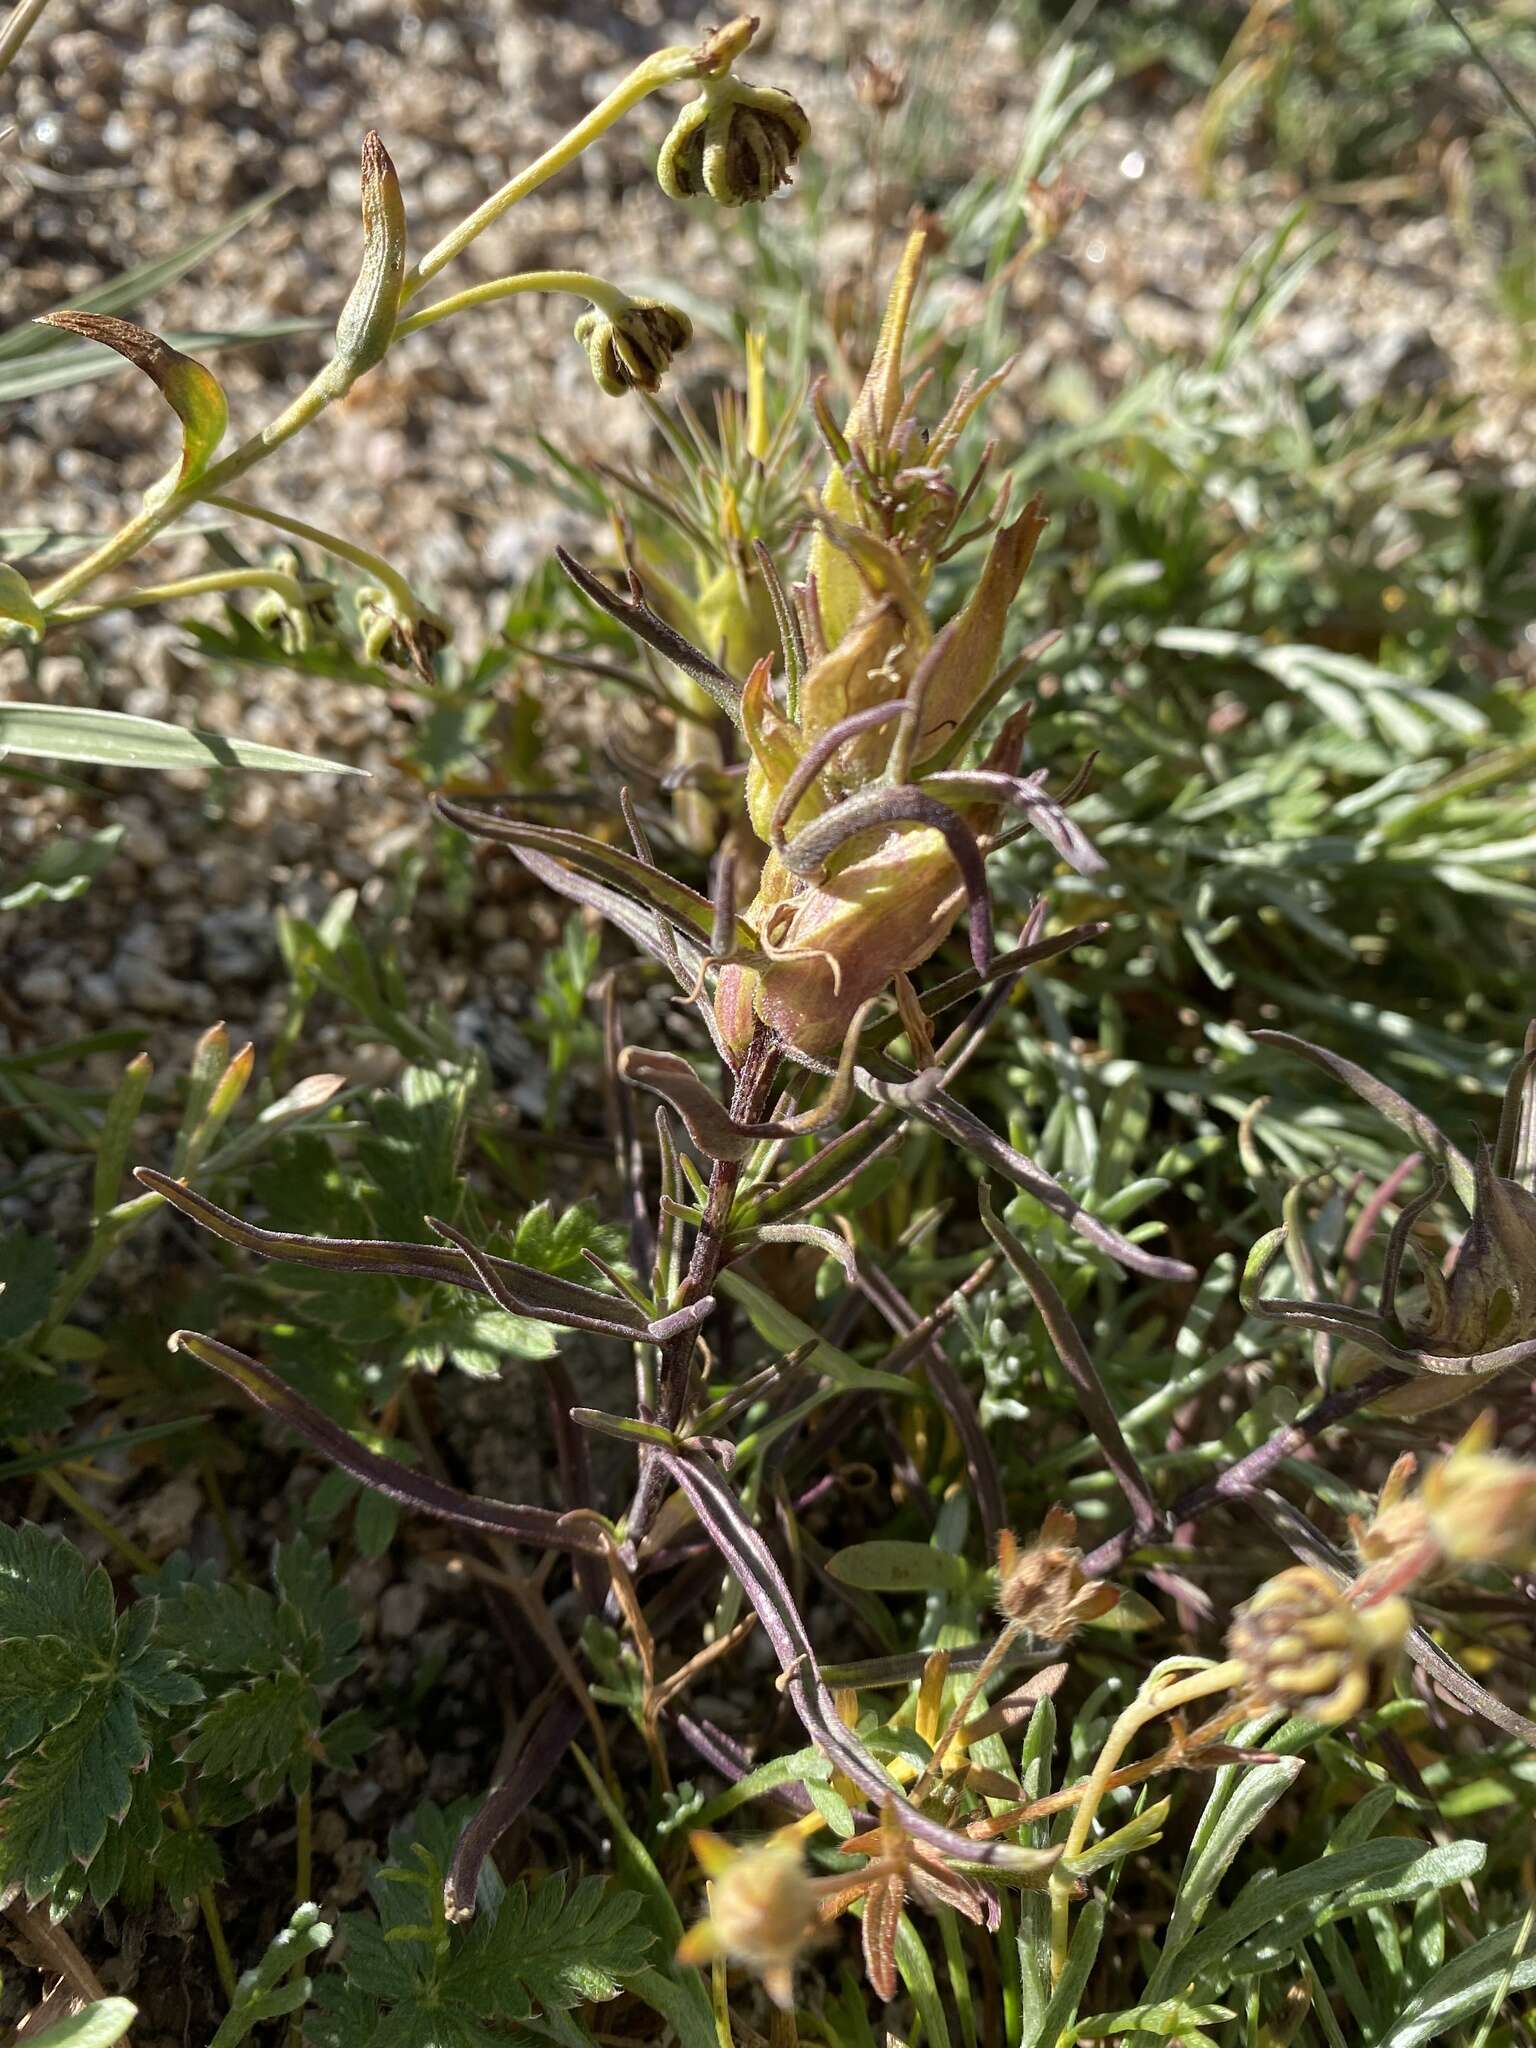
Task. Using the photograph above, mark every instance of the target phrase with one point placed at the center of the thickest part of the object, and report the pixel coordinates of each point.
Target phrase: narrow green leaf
(97, 2026)
(116, 739)
(889, 1566)
(1061, 2013)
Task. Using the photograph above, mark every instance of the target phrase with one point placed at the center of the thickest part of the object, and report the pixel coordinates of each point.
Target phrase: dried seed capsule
(1305, 1645)
(1044, 1588)
(736, 142)
(631, 348)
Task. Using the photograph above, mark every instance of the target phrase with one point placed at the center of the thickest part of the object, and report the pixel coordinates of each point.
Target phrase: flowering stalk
(630, 342)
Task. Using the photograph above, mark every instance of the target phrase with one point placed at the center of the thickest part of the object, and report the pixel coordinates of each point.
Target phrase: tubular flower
(762, 1910)
(1470, 1318)
(1307, 1646)
(737, 142)
(631, 347)
(1044, 1588)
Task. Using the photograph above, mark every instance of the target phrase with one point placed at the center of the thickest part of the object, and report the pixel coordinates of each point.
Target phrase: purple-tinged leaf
(878, 809)
(652, 628)
(535, 1765)
(538, 1527)
(523, 1290)
(750, 1559)
(1098, 1411)
(1425, 1133)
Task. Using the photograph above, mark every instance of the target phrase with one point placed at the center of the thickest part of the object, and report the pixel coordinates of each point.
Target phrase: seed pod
(1306, 1646)
(736, 142)
(631, 348)
(368, 318)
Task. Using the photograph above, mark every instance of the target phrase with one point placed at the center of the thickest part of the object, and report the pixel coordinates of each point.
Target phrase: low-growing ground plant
(1007, 1212)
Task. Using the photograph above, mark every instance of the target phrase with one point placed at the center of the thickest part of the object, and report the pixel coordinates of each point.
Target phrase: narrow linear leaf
(117, 739)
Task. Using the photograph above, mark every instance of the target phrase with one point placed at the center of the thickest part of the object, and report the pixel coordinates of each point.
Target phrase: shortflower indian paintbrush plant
(873, 822)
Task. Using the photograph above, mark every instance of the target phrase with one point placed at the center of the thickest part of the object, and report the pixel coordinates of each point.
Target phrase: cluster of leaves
(201, 1691)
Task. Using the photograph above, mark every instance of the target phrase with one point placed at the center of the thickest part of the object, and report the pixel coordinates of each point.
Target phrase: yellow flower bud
(762, 1910)
(1305, 1645)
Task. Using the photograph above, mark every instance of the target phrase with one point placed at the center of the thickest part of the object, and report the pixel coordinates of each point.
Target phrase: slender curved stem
(1154, 1699)
(332, 382)
(333, 544)
(288, 587)
(665, 67)
(606, 297)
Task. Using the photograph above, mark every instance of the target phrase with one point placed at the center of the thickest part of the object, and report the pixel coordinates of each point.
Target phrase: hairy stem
(753, 1091)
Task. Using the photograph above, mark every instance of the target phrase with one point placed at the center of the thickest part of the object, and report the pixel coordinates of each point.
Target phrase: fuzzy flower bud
(762, 1911)
(1481, 1503)
(631, 347)
(736, 142)
(1306, 1646)
(1044, 1588)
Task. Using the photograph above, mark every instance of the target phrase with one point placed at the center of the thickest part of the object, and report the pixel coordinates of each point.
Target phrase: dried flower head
(1308, 1646)
(1481, 1503)
(1045, 1588)
(762, 1910)
(737, 142)
(631, 347)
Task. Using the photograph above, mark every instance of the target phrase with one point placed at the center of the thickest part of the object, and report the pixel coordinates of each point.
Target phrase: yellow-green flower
(762, 1910)
(1309, 1647)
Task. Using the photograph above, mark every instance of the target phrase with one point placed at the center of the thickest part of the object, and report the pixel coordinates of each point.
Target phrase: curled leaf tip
(192, 392)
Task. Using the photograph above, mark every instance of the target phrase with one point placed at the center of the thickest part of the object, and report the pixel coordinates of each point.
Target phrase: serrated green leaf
(48, 1589)
(116, 739)
(187, 1860)
(60, 1800)
(258, 1731)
